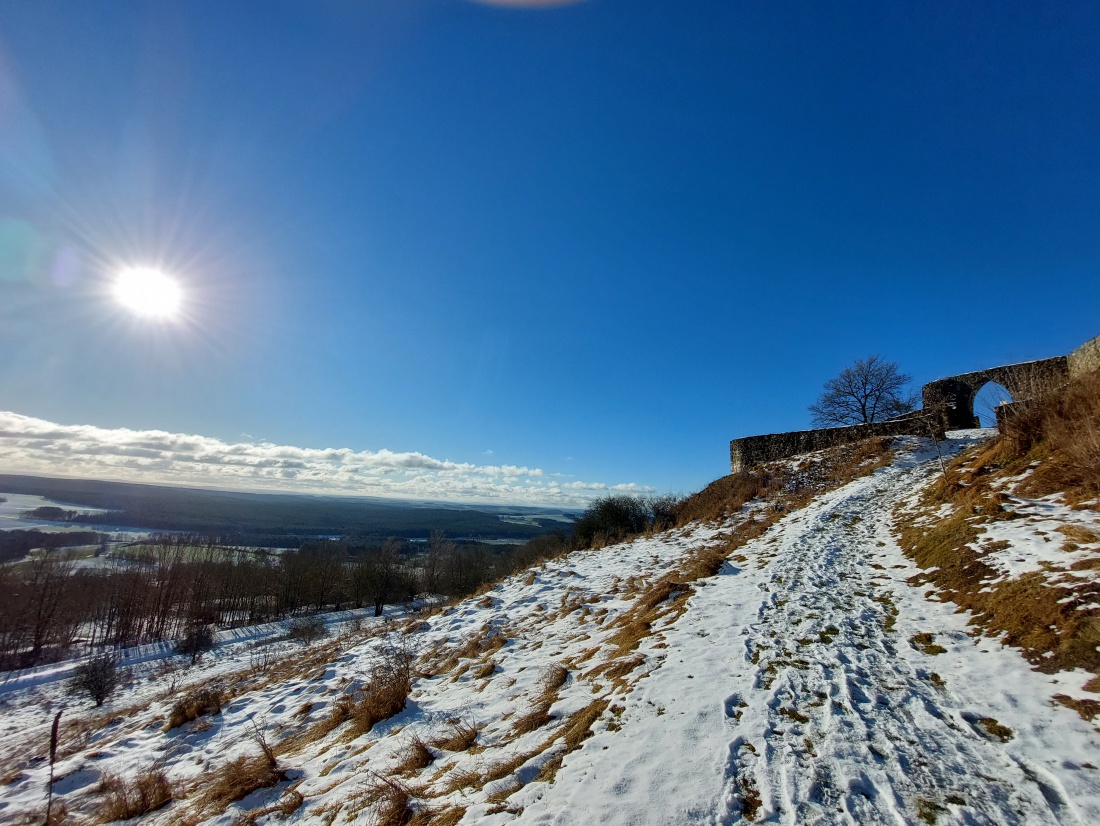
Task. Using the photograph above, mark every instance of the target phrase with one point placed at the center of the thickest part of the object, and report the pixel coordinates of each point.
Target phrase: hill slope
(806, 682)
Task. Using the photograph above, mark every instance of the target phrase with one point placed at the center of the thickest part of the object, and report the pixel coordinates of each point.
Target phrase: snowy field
(786, 689)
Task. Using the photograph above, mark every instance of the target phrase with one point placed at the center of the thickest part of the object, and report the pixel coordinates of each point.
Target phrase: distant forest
(15, 545)
(162, 589)
(279, 520)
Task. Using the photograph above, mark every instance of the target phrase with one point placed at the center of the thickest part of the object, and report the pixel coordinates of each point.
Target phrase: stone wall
(948, 405)
(1085, 358)
(754, 450)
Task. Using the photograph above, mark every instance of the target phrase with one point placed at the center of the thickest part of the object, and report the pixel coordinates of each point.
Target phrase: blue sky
(597, 239)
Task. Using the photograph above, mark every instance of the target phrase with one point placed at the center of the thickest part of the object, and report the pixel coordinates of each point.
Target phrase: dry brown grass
(448, 816)
(460, 736)
(549, 769)
(925, 642)
(460, 779)
(124, 799)
(391, 682)
(288, 804)
(239, 778)
(386, 695)
(1062, 431)
(194, 705)
(992, 727)
(480, 645)
(1048, 621)
(614, 670)
(535, 719)
(579, 726)
(1079, 534)
(572, 734)
(552, 679)
(416, 756)
(502, 794)
(726, 496)
(831, 468)
(392, 804)
(1088, 709)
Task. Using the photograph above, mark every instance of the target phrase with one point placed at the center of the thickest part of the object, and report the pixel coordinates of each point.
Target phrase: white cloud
(29, 445)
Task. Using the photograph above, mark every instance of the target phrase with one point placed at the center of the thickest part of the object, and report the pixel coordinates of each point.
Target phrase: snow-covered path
(790, 692)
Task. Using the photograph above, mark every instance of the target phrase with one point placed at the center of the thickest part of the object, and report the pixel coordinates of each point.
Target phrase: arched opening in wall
(986, 401)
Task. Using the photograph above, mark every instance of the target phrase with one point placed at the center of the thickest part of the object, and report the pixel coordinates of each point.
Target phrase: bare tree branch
(871, 390)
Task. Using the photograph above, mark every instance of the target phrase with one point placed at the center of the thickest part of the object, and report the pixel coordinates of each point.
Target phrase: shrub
(307, 629)
(98, 677)
(195, 643)
(662, 511)
(614, 518)
(129, 798)
(195, 705)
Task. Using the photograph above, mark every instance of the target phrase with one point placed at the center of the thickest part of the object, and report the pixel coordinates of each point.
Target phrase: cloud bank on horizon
(37, 446)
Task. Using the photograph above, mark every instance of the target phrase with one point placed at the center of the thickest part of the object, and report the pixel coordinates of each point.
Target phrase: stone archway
(989, 399)
(952, 398)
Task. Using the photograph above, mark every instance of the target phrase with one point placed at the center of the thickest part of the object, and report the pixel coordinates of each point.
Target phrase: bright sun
(148, 292)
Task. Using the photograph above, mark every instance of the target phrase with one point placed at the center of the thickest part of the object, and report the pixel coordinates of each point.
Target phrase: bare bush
(195, 643)
(97, 677)
(619, 517)
(260, 659)
(307, 629)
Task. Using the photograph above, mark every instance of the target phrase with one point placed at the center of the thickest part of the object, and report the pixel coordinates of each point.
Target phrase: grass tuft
(241, 777)
(460, 737)
(194, 705)
(125, 799)
(415, 757)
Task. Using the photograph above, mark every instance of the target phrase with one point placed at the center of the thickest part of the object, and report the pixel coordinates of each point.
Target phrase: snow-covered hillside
(807, 682)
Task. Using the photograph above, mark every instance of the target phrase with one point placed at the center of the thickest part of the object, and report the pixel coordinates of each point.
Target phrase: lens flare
(148, 292)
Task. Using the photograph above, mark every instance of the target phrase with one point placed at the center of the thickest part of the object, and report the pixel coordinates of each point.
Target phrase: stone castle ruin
(947, 404)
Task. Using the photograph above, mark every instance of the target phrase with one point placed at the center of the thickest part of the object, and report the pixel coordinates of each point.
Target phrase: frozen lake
(16, 504)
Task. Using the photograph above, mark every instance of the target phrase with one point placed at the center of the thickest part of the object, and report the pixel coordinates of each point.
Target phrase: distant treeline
(17, 544)
(161, 590)
(280, 520)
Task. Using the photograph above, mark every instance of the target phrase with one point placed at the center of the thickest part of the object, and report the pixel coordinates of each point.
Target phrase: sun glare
(147, 292)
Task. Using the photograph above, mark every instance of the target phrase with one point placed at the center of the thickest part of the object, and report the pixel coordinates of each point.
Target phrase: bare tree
(98, 677)
(869, 391)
